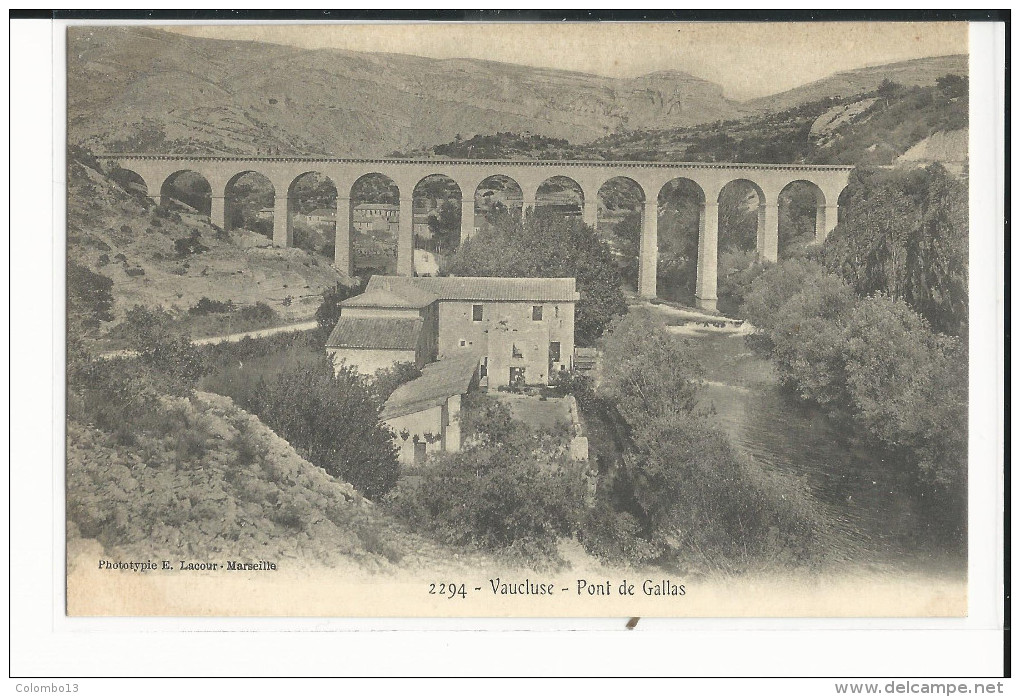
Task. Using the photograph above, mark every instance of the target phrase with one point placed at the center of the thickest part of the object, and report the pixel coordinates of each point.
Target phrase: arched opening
(130, 181)
(436, 206)
(741, 211)
(496, 197)
(375, 224)
(560, 195)
(621, 205)
(188, 189)
(248, 203)
(680, 205)
(801, 217)
(311, 202)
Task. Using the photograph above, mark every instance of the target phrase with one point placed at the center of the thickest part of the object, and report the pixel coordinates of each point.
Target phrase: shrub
(507, 495)
(333, 419)
(186, 246)
(708, 506)
(205, 306)
(259, 312)
(89, 295)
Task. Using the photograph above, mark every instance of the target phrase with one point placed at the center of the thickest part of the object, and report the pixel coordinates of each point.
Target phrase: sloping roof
(383, 296)
(327, 212)
(395, 333)
(438, 382)
(483, 288)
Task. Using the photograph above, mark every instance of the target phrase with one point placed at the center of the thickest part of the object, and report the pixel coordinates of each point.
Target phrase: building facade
(521, 329)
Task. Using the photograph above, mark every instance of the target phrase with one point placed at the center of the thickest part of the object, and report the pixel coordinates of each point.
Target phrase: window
(420, 451)
(483, 369)
(536, 313)
(554, 352)
(476, 313)
(463, 343)
(517, 376)
(516, 353)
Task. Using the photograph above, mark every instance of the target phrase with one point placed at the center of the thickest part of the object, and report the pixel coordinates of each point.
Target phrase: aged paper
(517, 320)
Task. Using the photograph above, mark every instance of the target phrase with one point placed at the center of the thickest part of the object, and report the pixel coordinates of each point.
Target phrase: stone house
(520, 330)
(425, 413)
(380, 327)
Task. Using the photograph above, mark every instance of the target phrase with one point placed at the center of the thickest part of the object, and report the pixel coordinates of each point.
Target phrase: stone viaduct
(768, 180)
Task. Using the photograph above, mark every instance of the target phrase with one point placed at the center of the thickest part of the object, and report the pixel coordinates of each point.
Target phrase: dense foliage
(331, 419)
(678, 492)
(905, 234)
(873, 364)
(511, 489)
(549, 245)
(89, 295)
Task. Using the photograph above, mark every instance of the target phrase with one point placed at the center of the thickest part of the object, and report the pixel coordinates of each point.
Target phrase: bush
(89, 295)
(205, 306)
(332, 419)
(259, 312)
(186, 246)
(164, 348)
(509, 491)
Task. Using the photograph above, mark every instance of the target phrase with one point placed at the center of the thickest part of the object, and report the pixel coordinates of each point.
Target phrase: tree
(89, 295)
(653, 371)
(164, 347)
(905, 234)
(328, 312)
(546, 244)
(331, 419)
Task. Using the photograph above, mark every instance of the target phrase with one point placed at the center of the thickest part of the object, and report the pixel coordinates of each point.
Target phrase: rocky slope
(227, 488)
(127, 239)
(135, 89)
(921, 72)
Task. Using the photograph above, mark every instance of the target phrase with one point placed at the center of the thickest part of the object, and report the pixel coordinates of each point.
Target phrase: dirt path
(224, 338)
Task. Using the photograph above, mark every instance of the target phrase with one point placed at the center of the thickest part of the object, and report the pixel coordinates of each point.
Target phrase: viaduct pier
(768, 181)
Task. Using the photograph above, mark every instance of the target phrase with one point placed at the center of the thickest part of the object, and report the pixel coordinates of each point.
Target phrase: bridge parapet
(589, 175)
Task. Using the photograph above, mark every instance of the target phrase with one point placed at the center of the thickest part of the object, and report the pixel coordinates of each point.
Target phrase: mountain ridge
(143, 89)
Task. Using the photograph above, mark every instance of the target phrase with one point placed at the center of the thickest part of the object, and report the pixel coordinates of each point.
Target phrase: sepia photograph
(519, 319)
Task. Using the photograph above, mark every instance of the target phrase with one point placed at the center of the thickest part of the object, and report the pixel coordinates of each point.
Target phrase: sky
(748, 59)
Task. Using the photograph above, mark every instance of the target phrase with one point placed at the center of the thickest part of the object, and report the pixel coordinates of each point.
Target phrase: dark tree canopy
(549, 245)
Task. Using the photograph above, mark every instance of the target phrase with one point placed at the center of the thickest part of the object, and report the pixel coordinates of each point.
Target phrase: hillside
(870, 128)
(138, 89)
(126, 238)
(227, 487)
(921, 73)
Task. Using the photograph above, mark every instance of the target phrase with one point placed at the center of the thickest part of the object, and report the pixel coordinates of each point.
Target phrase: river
(868, 495)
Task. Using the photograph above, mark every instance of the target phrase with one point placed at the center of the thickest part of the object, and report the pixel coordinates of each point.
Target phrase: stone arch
(248, 201)
(130, 180)
(560, 193)
(312, 213)
(190, 188)
(496, 195)
(375, 224)
(801, 216)
(435, 197)
(619, 220)
(741, 219)
(680, 220)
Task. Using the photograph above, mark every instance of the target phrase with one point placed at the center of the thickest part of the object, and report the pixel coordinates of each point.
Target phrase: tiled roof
(438, 382)
(382, 296)
(396, 333)
(483, 288)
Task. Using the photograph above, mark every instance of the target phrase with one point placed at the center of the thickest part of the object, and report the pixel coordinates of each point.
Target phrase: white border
(48, 643)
